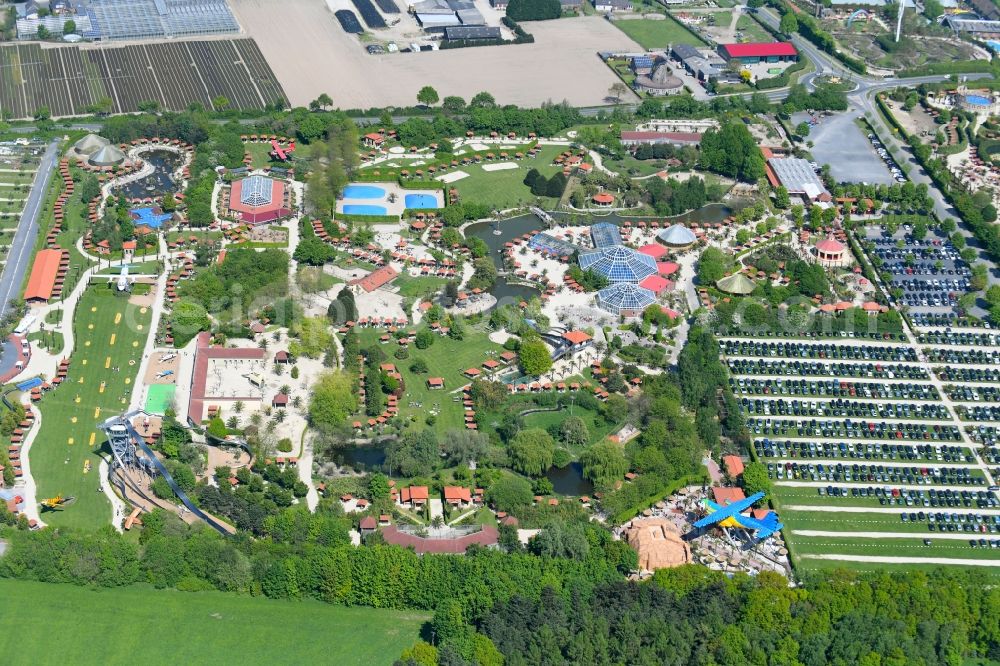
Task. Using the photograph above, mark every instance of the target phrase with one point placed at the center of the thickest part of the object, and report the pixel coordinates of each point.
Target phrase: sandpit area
(162, 369)
(453, 176)
(502, 166)
(310, 54)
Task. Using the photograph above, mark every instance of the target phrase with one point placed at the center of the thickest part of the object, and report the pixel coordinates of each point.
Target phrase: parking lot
(866, 426)
(929, 272)
(838, 141)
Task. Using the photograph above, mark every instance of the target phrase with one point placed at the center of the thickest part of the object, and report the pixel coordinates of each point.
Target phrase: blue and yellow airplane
(730, 516)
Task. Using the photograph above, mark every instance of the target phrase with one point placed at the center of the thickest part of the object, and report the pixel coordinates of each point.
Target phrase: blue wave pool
(977, 100)
(364, 209)
(419, 201)
(364, 192)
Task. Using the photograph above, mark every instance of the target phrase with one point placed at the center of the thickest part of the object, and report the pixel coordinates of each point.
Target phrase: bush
(534, 10)
(285, 445)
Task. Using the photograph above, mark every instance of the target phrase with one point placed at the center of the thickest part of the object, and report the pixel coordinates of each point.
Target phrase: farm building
(257, 199)
(754, 52)
(147, 19)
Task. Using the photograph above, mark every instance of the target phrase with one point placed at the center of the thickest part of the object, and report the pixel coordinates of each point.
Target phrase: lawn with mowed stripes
(110, 334)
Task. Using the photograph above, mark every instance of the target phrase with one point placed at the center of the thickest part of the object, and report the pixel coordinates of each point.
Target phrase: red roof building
(577, 338)
(733, 465)
(377, 278)
(42, 281)
(726, 496)
(656, 284)
(654, 250)
(754, 52)
(257, 200)
(204, 351)
(456, 495)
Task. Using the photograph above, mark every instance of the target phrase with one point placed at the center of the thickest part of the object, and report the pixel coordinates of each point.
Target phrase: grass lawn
(260, 153)
(106, 337)
(752, 31)
(205, 627)
(74, 225)
(657, 34)
(445, 358)
(200, 235)
(52, 340)
(506, 189)
(418, 286)
(596, 425)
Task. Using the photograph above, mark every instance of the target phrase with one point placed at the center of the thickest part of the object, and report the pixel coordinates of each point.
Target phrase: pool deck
(393, 191)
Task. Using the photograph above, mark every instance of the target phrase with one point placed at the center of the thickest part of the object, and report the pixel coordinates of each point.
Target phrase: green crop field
(109, 333)
(43, 623)
(657, 34)
(445, 358)
(506, 188)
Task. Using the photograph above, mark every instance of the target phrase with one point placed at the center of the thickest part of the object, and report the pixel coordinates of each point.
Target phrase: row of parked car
(931, 497)
(870, 473)
(840, 407)
(890, 163)
(931, 293)
(929, 319)
(973, 393)
(854, 429)
(984, 434)
(979, 413)
(768, 448)
(965, 356)
(952, 374)
(837, 388)
(812, 350)
(941, 518)
(968, 338)
(753, 366)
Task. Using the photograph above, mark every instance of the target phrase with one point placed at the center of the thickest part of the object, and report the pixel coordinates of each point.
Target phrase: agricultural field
(109, 337)
(445, 358)
(192, 627)
(658, 34)
(73, 81)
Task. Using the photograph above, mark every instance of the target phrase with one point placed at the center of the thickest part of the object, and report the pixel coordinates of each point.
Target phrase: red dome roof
(830, 245)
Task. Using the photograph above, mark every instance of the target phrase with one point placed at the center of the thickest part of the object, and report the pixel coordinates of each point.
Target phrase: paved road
(27, 230)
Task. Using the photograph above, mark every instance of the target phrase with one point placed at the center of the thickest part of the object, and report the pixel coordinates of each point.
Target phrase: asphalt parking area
(839, 142)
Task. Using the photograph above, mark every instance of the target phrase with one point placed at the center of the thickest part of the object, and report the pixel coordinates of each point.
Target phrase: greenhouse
(619, 264)
(625, 299)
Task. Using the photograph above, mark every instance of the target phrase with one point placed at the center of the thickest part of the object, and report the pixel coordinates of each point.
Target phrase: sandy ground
(502, 166)
(310, 54)
(157, 366)
(453, 176)
(903, 560)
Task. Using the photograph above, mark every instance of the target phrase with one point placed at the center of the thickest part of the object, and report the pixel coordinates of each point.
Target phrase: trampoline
(159, 398)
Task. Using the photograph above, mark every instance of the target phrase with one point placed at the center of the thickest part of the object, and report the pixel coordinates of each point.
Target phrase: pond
(361, 458)
(569, 480)
(524, 224)
(159, 182)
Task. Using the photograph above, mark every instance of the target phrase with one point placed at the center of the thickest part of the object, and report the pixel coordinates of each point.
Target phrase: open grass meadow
(445, 358)
(43, 623)
(110, 333)
(506, 188)
(658, 34)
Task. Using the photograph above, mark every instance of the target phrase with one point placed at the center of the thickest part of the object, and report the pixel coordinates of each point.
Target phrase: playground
(109, 335)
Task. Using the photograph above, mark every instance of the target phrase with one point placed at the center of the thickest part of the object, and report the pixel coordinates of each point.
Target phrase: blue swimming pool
(977, 100)
(364, 209)
(421, 201)
(364, 192)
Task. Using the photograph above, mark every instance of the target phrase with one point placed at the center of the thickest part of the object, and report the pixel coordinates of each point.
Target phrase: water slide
(222, 528)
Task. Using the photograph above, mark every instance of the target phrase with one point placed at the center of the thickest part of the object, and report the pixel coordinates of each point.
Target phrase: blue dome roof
(619, 264)
(625, 296)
